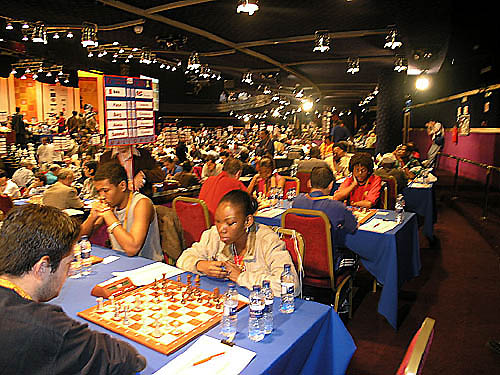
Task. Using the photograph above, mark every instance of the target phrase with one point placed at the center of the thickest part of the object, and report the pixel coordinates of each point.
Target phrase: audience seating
(389, 192)
(193, 214)
(416, 354)
(318, 261)
(304, 178)
(171, 234)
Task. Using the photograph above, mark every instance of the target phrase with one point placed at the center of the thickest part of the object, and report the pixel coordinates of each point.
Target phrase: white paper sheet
(72, 212)
(148, 274)
(419, 185)
(378, 225)
(232, 362)
(273, 212)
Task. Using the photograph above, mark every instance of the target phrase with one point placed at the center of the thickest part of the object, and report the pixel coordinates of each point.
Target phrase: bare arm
(343, 192)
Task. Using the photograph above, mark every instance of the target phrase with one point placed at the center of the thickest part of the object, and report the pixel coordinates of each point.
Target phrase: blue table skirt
(422, 202)
(312, 340)
(392, 257)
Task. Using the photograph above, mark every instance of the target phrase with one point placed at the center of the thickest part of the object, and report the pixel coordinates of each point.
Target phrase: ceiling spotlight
(174, 69)
(34, 76)
(115, 55)
(422, 82)
(146, 56)
(121, 50)
(193, 61)
(353, 65)
(56, 36)
(49, 74)
(130, 56)
(60, 73)
(267, 91)
(391, 40)
(39, 34)
(321, 41)
(115, 43)
(400, 64)
(300, 94)
(127, 60)
(27, 71)
(90, 54)
(307, 105)
(247, 6)
(66, 80)
(23, 77)
(135, 49)
(69, 35)
(25, 26)
(40, 69)
(14, 71)
(56, 80)
(89, 35)
(25, 38)
(162, 66)
(9, 26)
(114, 60)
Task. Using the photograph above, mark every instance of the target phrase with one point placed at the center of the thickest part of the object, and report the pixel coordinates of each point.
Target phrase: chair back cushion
(304, 177)
(391, 192)
(192, 217)
(290, 184)
(316, 259)
(171, 233)
(6, 204)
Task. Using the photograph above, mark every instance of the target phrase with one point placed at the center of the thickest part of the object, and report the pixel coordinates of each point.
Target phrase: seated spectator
(170, 168)
(313, 162)
(326, 147)
(186, 177)
(51, 175)
(89, 191)
(410, 165)
(388, 167)
(36, 250)
(23, 176)
(210, 168)
(264, 181)
(341, 219)
(130, 217)
(237, 248)
(8, 187)
(215, 187)
(247, 169)
(37, 187)
(339, 161)
(362, 189)
(61, 194)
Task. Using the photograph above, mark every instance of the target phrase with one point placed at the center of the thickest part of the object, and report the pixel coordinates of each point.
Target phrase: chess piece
(126, 320)
(137, 303)
(116, 315)
(156, 328)
(100, 305)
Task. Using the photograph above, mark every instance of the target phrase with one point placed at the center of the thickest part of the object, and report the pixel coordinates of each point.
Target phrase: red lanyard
(238, 259)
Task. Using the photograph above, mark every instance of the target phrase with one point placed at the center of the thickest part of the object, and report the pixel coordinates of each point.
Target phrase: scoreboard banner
(129, 111)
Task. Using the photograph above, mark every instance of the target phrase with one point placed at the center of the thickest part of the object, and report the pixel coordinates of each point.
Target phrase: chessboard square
(184, 318)
(193, 313)
(201, 309)
(174, 314)
(212, 312)
(194, 322)
(136, 317)
(175, 323)
(174, 307)
(191, 306)
(135, 326)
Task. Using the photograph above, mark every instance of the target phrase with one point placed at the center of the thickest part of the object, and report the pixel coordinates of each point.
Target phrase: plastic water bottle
(255, 319)
(287, 305)
(267, 292)
(229, 316)
(76, 264)
(86, 249)
(399, 208)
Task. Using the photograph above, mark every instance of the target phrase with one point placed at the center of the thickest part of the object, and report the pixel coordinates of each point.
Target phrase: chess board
(164, 315)
(363, 215)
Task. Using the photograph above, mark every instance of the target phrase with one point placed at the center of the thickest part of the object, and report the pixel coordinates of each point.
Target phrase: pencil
(207, 359)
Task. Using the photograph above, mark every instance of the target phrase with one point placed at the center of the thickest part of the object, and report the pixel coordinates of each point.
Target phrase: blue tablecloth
(312, 340)
(392, 257)
(422, 202)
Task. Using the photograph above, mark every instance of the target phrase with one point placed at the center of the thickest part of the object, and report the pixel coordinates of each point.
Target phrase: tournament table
(312, 340)
(421, 200)
(392, 257)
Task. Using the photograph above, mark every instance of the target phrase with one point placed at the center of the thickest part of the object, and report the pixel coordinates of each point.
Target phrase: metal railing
(489, 170)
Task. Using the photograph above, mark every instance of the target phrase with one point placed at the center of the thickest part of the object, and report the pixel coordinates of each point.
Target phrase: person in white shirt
(23, 176)
(7, 187)
(46, 152)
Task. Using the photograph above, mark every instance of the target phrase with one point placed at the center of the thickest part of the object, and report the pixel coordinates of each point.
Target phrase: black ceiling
(219, 34)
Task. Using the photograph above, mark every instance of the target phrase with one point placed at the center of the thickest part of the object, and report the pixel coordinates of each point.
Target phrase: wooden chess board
(164, 315)
(363, 215)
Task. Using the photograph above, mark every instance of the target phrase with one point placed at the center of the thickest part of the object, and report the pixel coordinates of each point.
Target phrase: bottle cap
(287, 267)
(256, 288)
(266, 283)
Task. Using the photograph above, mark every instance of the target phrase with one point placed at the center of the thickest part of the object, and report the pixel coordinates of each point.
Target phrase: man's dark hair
(232, 166)
(342, 145)
(321, 177)
(74, 113)
(211, 158)
(314, 152)
(18, 109)
(111, 171)
(266, 162)
(224, 153)
(243, 156)
(91, 166)
(41, 176)
(362, 158)
(32, 231)
(187, 166)
(242, 199)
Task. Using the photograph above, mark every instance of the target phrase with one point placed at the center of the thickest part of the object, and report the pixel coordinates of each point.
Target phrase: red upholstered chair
(291, 183)
(389, 192)
(294, 242)
(6, 204)
(193, 214)
(416, 354)
(304, 177)
(197, 171)
(318, 264)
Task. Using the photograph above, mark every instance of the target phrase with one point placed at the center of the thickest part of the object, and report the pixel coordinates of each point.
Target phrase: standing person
(129, 216)
(73, 124)
(339, 132)
(36, 250)
(266, 144)
(362, 189)
(46, 152)
(61, 194)
(142, 170)
(61, 123)
(19, 127)
(436, 131)
(181, 151)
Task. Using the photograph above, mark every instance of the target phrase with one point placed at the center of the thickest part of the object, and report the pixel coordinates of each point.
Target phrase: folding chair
(318, 264)
(294, 242)
(304, 177)
(291, 183)
(193, 214)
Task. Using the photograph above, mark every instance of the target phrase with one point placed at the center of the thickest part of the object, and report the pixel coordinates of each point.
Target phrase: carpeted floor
(459, 286)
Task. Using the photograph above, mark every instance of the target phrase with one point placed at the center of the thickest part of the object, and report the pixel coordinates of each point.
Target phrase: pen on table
(208, 359)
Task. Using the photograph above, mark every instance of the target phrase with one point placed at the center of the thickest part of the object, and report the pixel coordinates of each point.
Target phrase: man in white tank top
(130, 217)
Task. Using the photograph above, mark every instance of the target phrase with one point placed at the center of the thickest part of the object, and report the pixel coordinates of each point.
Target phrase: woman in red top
(265, 180)
(362, 189)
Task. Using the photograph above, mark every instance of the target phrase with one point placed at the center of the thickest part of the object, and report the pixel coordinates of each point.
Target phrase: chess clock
(113, 287)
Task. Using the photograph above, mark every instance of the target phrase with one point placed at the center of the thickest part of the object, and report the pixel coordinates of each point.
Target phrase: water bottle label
(229, 310)
(85, 254)
(287, 288)
(256, 311)
(269, 306)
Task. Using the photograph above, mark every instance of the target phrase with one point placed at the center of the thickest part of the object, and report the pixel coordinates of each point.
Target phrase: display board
(129, 110)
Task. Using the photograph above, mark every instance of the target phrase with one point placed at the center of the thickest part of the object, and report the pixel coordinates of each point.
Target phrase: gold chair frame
(194, 200)
(289, 178)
